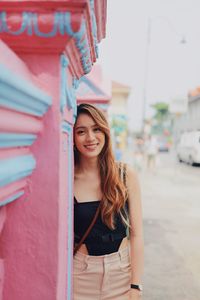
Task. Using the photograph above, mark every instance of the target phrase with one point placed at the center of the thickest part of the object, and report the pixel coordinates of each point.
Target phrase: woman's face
(88, 137)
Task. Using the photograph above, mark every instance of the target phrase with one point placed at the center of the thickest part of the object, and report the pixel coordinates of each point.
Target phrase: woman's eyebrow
(83, 127)
(78, 127)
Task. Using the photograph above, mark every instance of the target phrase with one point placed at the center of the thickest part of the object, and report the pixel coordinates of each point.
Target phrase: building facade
(118, 116)
(190, 120)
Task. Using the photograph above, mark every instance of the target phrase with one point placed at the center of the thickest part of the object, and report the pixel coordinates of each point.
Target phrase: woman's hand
(135, 294)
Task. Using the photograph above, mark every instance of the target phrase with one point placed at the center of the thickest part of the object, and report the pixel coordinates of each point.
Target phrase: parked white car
(188, 149)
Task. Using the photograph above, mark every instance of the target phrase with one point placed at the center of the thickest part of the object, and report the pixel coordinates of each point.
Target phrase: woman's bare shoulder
(132, 176)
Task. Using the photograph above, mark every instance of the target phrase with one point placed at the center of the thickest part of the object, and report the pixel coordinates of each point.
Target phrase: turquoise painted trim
(42, 34)
(5, 28)
(67, 93)
(94, 27)
(69, 129)
(21, 95)
(16, 140)
(13, 169)
(63, 88)
(12, 198)
(61, 25)
(93, 87)
(86, 87)
(75, 83)
(66, 127)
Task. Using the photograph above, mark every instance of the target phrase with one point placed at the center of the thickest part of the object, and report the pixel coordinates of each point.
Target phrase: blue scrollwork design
(94, 26)
(5, 28)
(68, 97)
(42, 34)
(63, 99)
(61, 25)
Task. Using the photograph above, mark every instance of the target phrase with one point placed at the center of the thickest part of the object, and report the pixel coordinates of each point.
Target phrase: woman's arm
(136, 231)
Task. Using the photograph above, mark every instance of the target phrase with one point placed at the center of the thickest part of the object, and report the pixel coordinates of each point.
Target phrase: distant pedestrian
(151, 152)
(107, 205)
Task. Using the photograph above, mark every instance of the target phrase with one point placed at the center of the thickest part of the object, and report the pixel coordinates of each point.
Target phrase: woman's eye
(97, 129)
(80, 132)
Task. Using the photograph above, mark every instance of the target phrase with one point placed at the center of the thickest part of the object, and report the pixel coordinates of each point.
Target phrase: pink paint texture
(2, 221)
(12, 121)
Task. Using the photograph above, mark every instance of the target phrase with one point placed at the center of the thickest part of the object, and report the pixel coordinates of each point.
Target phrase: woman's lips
(91, 146)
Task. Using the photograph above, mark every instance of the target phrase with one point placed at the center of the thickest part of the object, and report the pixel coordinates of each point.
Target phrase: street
(171, 209)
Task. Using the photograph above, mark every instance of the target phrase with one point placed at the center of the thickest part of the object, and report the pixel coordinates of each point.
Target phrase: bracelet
(137, 287)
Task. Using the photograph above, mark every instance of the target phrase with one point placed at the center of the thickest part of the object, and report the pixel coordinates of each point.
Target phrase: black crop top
(101, 239)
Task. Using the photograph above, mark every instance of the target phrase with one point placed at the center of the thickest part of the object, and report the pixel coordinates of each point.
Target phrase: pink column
(51, 45)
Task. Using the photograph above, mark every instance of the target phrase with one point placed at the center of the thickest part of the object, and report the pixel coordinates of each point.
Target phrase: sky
(143, 49)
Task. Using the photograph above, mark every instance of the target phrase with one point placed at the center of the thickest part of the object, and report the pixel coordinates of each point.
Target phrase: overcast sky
(173, 68)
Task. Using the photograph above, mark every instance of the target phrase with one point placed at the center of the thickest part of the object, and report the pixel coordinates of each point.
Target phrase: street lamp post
(146, 67)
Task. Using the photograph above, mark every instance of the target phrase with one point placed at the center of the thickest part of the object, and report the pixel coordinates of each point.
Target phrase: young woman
(107, 265)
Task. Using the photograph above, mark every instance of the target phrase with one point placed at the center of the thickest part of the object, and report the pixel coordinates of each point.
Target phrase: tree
(161, 119)
(161, 111)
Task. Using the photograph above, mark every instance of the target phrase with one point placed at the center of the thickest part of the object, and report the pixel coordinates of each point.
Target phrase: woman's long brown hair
(113, 189)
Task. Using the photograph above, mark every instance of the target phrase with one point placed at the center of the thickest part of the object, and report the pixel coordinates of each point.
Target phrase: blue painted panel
(12, 198)
(21, 95)
(16, 168)
(16, 140)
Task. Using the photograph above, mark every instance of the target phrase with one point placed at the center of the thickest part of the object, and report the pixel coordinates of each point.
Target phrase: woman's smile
(91, 147)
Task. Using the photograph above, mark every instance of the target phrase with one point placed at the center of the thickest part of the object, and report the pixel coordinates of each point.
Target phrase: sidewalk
(171, 208)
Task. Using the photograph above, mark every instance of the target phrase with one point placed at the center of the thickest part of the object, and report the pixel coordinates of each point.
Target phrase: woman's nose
(90, 135)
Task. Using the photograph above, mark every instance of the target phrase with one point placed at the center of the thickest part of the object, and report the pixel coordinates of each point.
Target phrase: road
(171, 208)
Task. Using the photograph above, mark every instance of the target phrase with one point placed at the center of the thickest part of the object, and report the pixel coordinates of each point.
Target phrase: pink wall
(36, 240)
(33, 222)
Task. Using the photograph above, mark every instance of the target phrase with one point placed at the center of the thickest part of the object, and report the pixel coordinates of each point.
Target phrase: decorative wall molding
(68, 96)
(13, 121)
(67, 128)
(30, 23)
(8, 140)
(16, 168)
(100, 14)
(21, 95)
(21, 103)
(12, 188)
(50, 25)
(11, 198)
(94, 27)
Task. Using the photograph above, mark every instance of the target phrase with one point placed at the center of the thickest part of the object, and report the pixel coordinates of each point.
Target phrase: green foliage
(162, 119)
(161, 111)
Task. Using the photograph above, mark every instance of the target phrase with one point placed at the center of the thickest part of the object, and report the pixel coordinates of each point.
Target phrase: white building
(190, 120)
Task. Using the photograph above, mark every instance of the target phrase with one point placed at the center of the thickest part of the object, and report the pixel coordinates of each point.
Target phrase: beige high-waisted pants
(105, 277)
